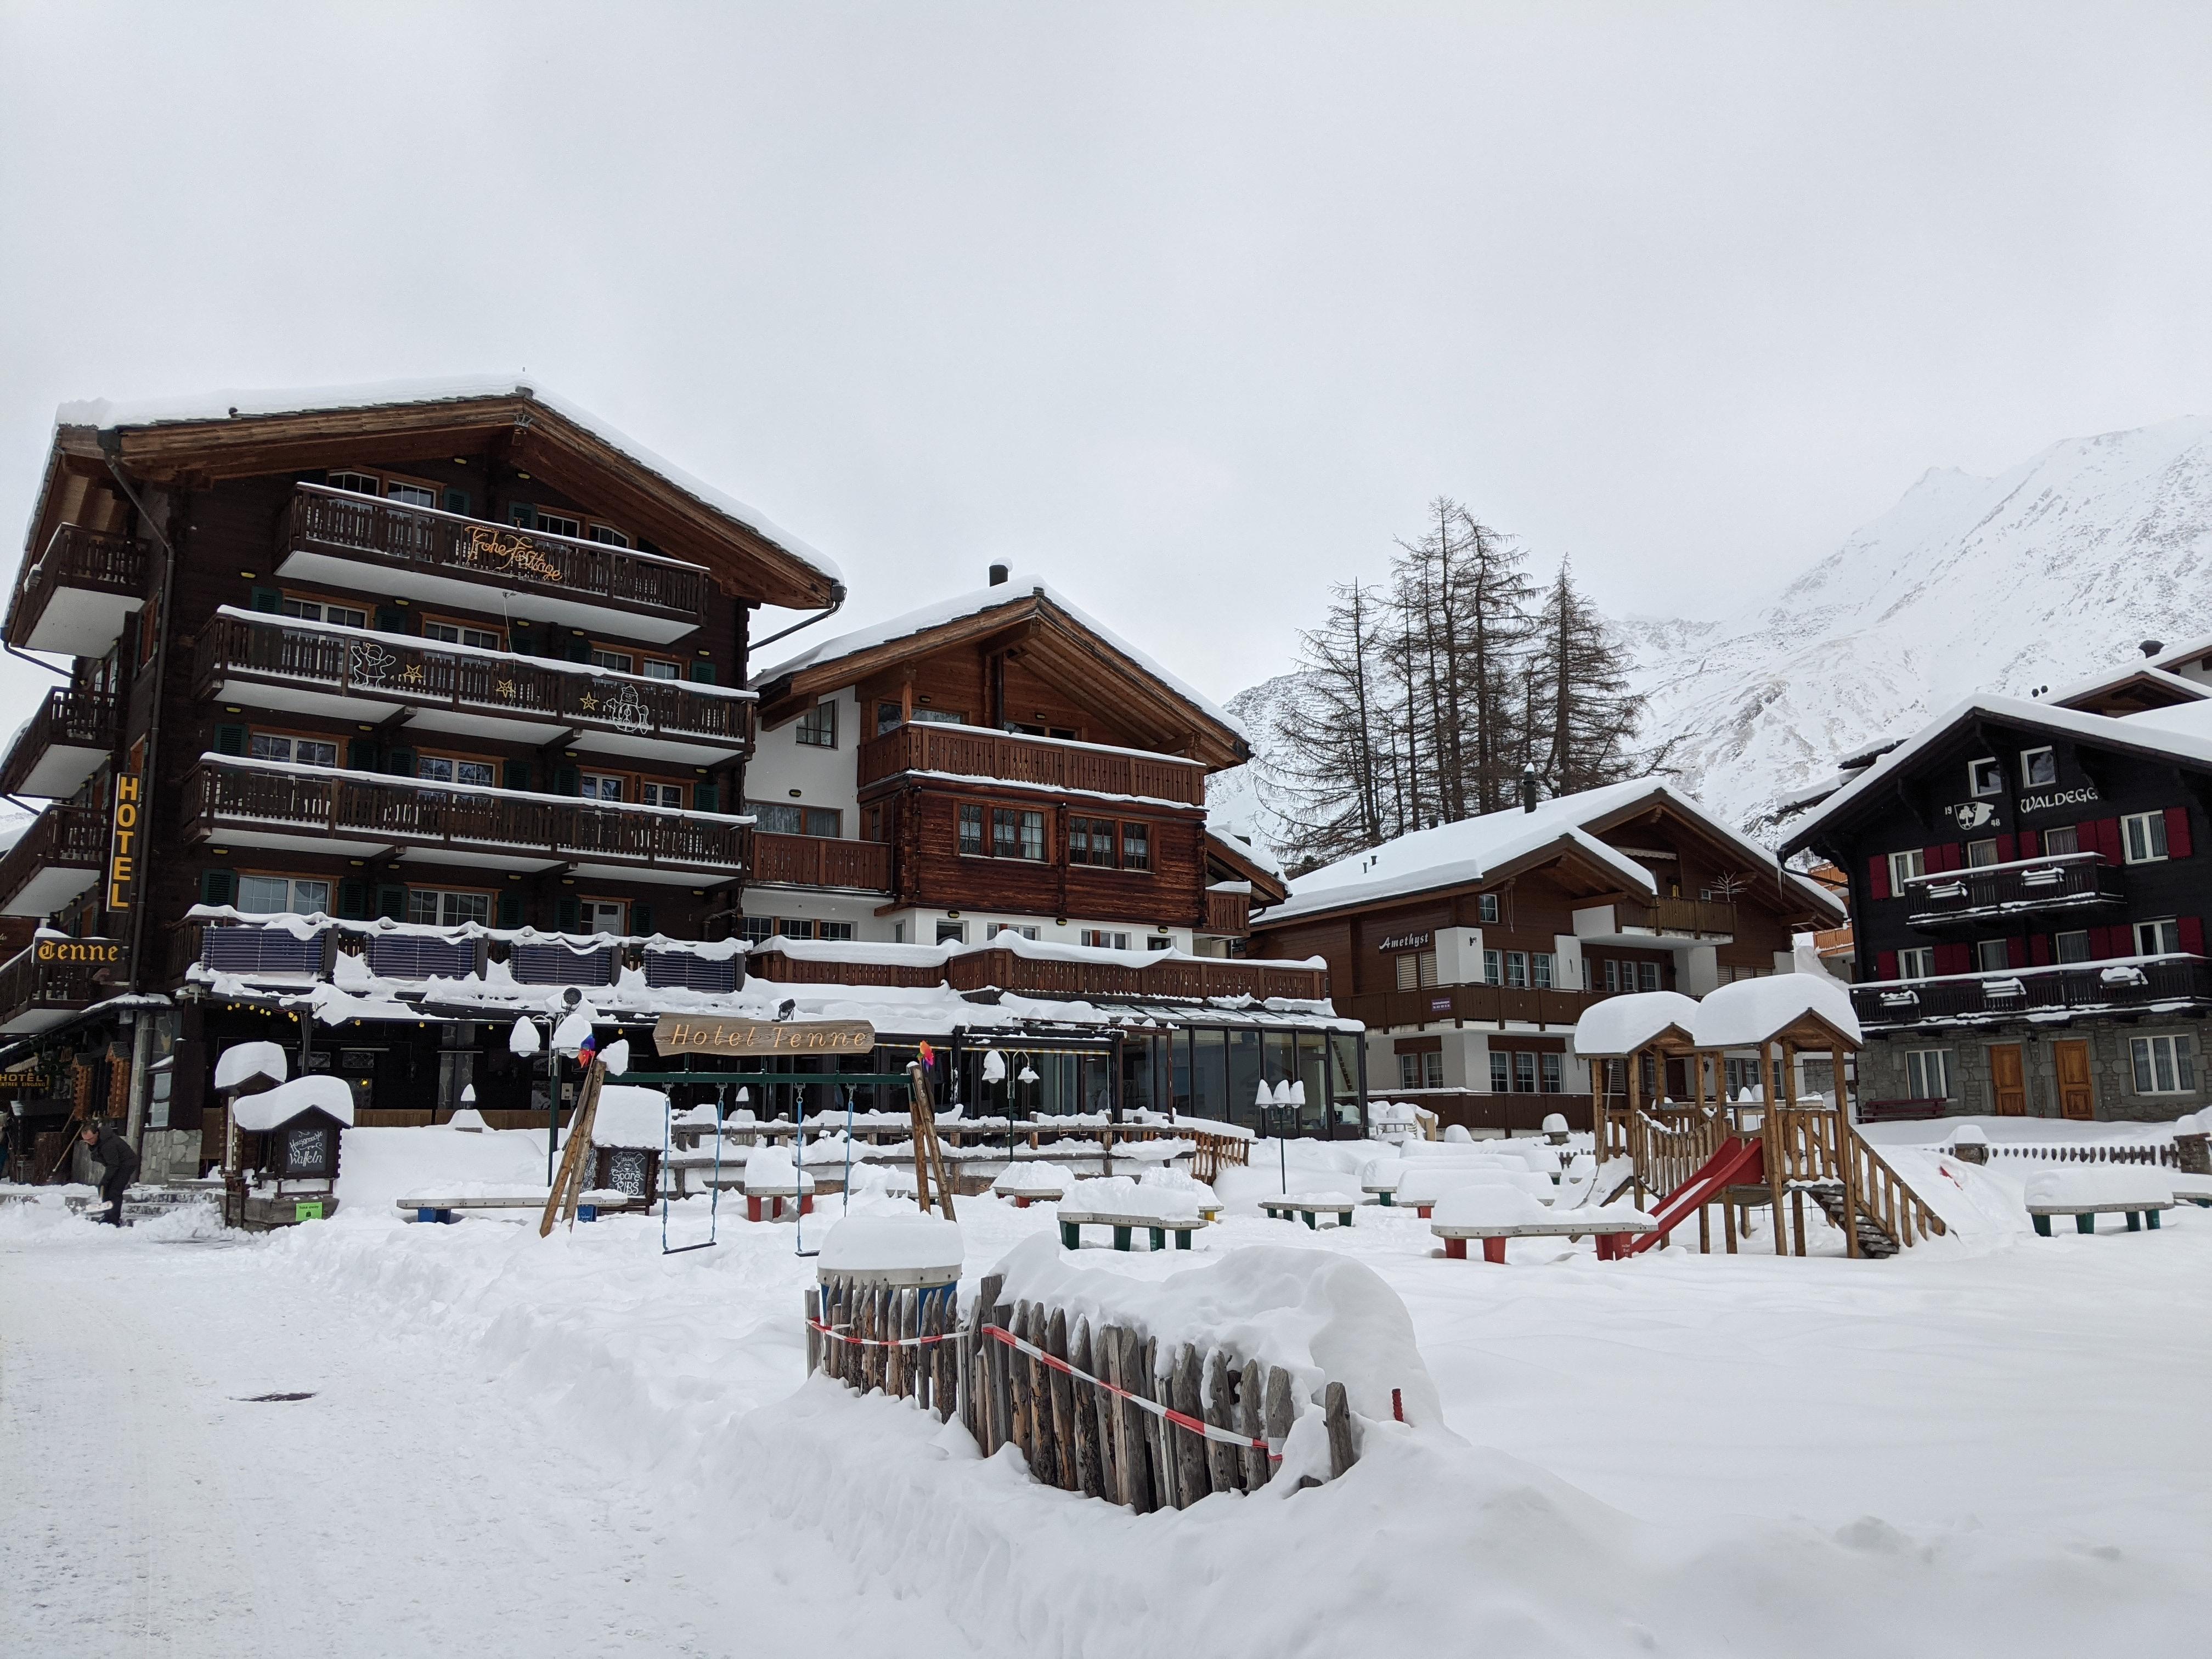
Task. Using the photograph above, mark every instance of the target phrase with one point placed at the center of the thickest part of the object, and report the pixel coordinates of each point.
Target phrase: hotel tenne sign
(688, 1034)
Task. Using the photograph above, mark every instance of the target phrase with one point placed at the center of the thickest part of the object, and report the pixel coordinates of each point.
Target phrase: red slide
(1736, 1161)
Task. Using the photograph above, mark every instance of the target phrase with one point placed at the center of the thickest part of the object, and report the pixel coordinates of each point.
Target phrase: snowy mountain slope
(2046, 573)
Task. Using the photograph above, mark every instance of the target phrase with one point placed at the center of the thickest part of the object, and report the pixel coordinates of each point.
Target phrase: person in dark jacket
(118, 1166)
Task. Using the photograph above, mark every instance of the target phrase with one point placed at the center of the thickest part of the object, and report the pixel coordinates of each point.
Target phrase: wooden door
(2007, 1080)
(2077, 1096)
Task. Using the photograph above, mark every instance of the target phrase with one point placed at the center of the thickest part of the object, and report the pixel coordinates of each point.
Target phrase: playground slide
(1736, 1163)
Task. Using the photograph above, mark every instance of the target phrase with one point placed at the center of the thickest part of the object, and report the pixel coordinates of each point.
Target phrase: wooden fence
(1092, 1415)
(2164, 1157)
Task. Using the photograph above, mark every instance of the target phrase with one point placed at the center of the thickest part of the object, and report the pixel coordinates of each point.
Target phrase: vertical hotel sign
(123, 843)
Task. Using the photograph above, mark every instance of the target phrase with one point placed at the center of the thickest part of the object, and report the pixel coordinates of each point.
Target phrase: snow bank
(1324, 1317)
(2100, 1183)
(1621, 1025)
(242, 1061)
(1428, 1184)
(630, 1116)
(866, 1243)
(319, 1092)
(769, 1169)
(1120, 1195)
(378, 1167)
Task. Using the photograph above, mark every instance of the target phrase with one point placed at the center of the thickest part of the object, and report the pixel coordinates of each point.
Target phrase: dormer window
(2038, 767)
(1986, 776)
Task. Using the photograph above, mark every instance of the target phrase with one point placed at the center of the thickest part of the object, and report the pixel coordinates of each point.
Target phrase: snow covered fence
(2162, 1156)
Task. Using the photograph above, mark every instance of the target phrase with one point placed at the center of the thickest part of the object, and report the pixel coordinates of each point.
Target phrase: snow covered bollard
(1555, 1128)
(2130, 1189)
(885, 1297)
(2192, 1155)
(1969, 1145)
(772, 1177)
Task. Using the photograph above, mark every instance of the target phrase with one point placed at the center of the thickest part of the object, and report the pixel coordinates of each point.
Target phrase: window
(755, 930)
(887, 716)
(1647, 976)
(450, 768)
(938, 717)
(1024, 929)
(1990, 955)
(1501, 1072)
(321, 610)
(1421, 1071)
(1541, 966)
(296, 751)
(2164, 1065)
(818, 726)
(1516, 968)
(1488, 906)
(2145, 836)
(1613, 976)
(1136, 846)
(1981, 853)
(1552, 1067)
(1916, 963)
(951, 933)
(611, 536)
(794, 926)
(1091, 840)
(671, 794)
(1903, 866)
(775, 819)
(1158, 942)
(2158, 939)
(619, 662)
(1489, 967)
(1928, 1073)
(1416, 969)
(360, 484)
(262, 895)
(2038, 767)
(438, 908)
(659, 668)
(1985, 777)
(2073, 947)
(604, 786)
(1524, 1072)
(2066, 838)
(1100, 940)
(1016, 834)
(557, 523)
(971, 831)
(839, 931)
(601, 916)
(459, 634)
(411, 494)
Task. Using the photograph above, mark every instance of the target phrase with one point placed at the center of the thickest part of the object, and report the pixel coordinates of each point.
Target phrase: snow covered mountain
(2046, 574)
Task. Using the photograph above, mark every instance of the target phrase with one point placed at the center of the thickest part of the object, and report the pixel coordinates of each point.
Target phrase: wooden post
(1337, 1416)
(1064, 1421)
(1226, 1468)
(813, 1336)
(1002, 1401)
(1280, 1409)
(1635, 1068)
(568, 1179)
(1252, 1422)
(1088, 1473)
(1107, 1417)
(1767, 1129)
(1130, 1452)
(1155, 1427)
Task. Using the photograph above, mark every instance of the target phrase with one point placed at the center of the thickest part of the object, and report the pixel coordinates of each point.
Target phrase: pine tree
(1584, 715)
(1494, 635)
(1333, 738)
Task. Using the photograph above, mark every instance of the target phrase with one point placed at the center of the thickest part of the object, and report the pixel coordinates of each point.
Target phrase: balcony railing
(56, 859)
(340, 522)
(1228, 915)
(54, 977)
(1470, 1004)
(1966, 898)
(61, 745)
(1009, 970)
(73, 600)
(241, 797)
(2087, 987)
(1050, 763)
(351, 662)
(821, 861)
(1680, 918)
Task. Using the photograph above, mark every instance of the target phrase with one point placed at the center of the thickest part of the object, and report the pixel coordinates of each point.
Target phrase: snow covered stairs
(1875, 1241)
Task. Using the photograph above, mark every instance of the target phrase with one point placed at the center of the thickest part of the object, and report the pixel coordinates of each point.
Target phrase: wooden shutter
(360, 754)
(510, 910)
(522, 515)
(2005, 853)
(400, 763)
(2039, 950)
(456, 500)
(392, 902)
(702, 673)
(2108, 839)
(1885, 964)
(1953, 959)
(218, 886)
(565, 781)
(392, 619)
(1878, 887)
(2101, 943)
(2192, 929)
(229, 740)
(2016, 952)
(580, 649)
(267, 599)
(707, 797)
(568, 914)
(514, 774)
(2031, 844)
(2177, 832)
(641, 918)
(353, 899)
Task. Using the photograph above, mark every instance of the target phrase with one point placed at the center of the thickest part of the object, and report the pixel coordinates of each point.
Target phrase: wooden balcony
(821, 861)
(1008, 969)
(1014, 757)
(1494, 1005)
(58, 857)
(1632, 920)
(62, 744)
(74, 598)
(2078, 988)
(1967, 898)
(360, 814)
(273, 662)
(54, 978)
(366, 544)
(1228, 915)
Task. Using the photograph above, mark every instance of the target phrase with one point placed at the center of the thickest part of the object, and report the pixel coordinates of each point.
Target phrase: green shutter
(518, 640)
(353, 899)
(580, 649)
(707, 797)
(510, 910)
(641, 918)
(457, 500)
(229, 740)
(267, 599)
(569, 915)
(703, 672)
(392, 619)
(522, 515)
(218, 886)
(360, 754)
(565, 781)
(400, 763)
(514, 774)
(391, 902)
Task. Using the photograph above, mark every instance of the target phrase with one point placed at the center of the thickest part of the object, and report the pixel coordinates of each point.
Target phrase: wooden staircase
(1875, 1241)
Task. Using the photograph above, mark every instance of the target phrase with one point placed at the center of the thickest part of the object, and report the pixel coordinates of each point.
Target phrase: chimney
(2151, 648)
(998, 574)
(1529, 788)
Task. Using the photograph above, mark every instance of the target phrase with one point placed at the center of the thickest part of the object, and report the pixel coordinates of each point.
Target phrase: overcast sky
(1188, 309)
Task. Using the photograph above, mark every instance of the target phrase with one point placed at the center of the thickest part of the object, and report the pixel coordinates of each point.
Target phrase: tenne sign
(79, 949)
(689, 1034)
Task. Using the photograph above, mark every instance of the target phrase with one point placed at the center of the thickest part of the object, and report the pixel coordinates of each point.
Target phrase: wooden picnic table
(1072, 1222)
(1610, 1232)
(2085, 1215)
(1283, 1209)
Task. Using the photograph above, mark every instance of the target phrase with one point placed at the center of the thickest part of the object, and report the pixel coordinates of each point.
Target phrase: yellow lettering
(115, 898)
(126, 788)
(121, 868)
(126, 815)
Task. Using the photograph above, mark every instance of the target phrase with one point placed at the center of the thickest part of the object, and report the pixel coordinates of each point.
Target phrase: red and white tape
(1181, 1420)
(837, 1333)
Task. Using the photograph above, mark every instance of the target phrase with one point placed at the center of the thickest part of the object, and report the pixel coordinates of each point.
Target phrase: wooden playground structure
(1745, 1153)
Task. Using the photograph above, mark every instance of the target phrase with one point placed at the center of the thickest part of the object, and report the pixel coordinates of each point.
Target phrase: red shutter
(2039, 950)
(2031, 844)
(1953, 856)
(1953, 959)
(1885, 963)
(2005, 849)
(2016, 953)
(2192, 929)
(2177, 832)
(2108, 841)
(2101, 943)
(1878, 886)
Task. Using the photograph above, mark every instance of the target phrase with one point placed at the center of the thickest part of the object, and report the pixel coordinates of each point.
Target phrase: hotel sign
(2083, 796)
(79, 949)
(122, 854)
(685, 1034)
(1407, 941)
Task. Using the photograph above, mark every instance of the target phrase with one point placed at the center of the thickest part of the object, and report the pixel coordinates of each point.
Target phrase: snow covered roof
(2182, 733)
(244, 1062)
(630, 1116)
(245, 404)
(2180, 685)
(272, 1108)
(1750, 1011)
(1470, 851)
(1621, 1025)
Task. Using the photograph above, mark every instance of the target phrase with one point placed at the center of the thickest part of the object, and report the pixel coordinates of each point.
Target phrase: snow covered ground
(1993, 1444)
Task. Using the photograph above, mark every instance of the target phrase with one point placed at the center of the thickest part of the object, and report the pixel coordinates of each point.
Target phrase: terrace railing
(54, 973)
(2079, 987)
(975, 752)
(1468, 1005)
(1228, 915)
(821, 861)
(77, 557)
(75, 837)
(1966, 897)
(69, 715)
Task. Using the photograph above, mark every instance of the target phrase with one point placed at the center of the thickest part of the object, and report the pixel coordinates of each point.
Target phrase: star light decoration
(505, 687)
(591, 702)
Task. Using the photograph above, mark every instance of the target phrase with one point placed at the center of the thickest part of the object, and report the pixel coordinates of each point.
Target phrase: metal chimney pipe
(1529, 788)
(998, 574)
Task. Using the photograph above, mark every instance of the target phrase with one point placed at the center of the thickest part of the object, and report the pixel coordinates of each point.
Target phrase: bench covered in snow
(447, 1203)
(1125, 1206)
(1421, 1188)
(1305, 1206)
(1026, 1184)
(1494, 1214)
(2085, 1193)
(774, 1177)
